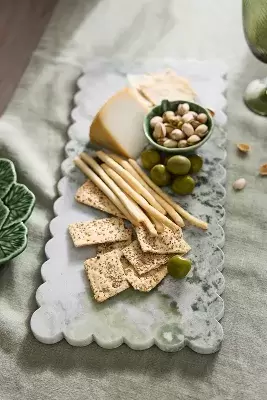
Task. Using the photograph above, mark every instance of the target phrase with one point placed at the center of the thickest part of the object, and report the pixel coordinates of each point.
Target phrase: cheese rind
(118, 126)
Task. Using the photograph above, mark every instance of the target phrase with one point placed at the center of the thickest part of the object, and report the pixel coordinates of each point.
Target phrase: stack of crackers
(135, 256)
(163, 85)
(125, 256)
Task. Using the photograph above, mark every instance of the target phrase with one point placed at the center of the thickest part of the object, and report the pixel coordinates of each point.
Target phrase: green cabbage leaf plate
(16, 205)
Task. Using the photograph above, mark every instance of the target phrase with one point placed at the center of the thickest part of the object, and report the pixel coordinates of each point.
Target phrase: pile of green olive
(172, 170)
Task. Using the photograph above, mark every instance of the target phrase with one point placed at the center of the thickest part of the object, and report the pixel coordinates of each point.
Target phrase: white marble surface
(177, 313)
(33, 134)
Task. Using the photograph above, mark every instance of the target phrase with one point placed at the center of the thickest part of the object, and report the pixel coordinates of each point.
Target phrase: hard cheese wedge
(118, 126)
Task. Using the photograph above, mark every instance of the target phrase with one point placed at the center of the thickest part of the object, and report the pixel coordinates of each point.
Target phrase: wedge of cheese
(118, 126)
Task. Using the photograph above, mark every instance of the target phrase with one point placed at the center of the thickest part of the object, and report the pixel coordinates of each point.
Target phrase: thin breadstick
(169, 209)
(125, 164)
(130, 180)
(105, 189)
(116, 158)
(159, 226)
(190, 218)
(146, 221)
(143, 217)
(150, 227)
(130, 211)
(138, 212)
(139, 199)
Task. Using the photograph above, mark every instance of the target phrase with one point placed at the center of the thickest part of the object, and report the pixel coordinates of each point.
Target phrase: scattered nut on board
(239, 184)
(211, 111)
(243, 147)
(263, 169)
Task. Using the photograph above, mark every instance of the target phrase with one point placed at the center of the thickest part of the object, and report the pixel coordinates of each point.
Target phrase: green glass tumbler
(255, 30)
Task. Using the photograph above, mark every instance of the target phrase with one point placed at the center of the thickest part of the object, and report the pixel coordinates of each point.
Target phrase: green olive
(160, 176)
(183, 185)
(178, 165)
(150, 158)
(196, 163)
(178, 267)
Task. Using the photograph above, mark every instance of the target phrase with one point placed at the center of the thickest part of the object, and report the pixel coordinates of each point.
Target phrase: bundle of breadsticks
(134, 194)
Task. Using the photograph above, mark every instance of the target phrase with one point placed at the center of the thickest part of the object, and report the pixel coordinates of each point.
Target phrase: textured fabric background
(33, 135)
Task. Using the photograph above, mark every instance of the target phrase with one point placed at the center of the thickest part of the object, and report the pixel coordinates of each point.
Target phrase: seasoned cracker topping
(99, 231)
(90, 195)
(146, 282)
(166, 242)
(143, 262)
(107, 247)
(106, 275)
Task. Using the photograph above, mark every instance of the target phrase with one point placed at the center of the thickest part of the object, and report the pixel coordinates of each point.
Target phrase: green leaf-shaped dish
(7, 176)
(4, 211)
(16, 205)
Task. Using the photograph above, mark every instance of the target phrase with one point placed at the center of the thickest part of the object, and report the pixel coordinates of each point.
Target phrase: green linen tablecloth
(33, 135)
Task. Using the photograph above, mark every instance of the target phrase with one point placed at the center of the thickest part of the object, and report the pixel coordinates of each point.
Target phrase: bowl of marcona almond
(178, 127)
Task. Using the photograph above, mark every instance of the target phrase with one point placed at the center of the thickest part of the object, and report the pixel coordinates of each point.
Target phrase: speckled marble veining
(176, 313)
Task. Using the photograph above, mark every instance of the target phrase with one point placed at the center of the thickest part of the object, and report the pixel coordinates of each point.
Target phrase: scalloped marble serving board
(177, 313)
